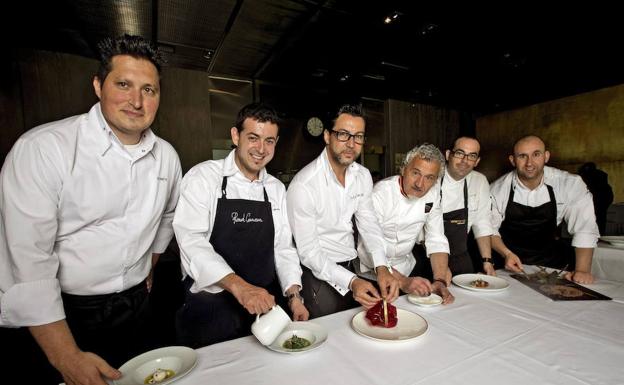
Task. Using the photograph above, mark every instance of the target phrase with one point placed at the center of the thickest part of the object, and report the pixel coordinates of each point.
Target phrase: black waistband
(349, 265)
(76, 298)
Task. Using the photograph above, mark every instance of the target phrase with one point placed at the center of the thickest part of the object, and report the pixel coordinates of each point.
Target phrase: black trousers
(113, 326)
(321, 298)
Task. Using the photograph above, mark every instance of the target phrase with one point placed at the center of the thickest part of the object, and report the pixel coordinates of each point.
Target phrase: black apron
(456, 231)
(531, 232)
(243, 234)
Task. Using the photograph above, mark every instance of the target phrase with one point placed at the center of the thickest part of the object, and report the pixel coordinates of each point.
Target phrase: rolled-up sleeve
(302, 218)
(286, 258)
(30, 183)
(579, 213)
(435, 240)
(482, 223)
(192, 227)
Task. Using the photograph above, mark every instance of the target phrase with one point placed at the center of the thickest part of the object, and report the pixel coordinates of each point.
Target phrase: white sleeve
(482, 223)
(165, 228)
(286, 258)
(435, 240)
(579, 213)
(30, 184)
(368, 224)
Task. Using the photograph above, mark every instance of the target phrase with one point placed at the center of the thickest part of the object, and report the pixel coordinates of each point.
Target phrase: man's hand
(488, 267)
(254, 299)
(76, 367)
(512, 262)
(388, 284)
(440, 289)
(298, 309)
(580, 277)
(83, 368)
(365, 293)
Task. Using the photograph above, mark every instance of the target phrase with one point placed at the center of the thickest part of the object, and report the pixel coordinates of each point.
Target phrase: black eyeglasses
(459, 154)
(344, 136)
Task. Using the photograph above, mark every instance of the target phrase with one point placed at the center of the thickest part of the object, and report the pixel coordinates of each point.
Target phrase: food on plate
(159, 376)
(543, 276)
(295, 342)
(561, 290)
(480, 283)
(376, 315)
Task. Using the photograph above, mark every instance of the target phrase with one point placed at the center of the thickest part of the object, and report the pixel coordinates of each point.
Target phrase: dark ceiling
(476, 59)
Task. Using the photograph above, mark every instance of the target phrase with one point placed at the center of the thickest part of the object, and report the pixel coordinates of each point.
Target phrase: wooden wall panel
(11, 113)
(409, 124)
(576, 129)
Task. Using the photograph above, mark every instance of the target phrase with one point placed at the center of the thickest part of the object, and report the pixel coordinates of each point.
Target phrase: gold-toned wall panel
(577, 129)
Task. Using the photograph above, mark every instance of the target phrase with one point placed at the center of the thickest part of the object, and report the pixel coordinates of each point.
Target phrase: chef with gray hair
(408, 209)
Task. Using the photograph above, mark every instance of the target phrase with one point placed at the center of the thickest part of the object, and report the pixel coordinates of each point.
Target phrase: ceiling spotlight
(345, 77)
(392, 17)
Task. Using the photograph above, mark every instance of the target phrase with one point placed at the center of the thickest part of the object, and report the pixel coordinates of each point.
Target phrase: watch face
(315, 126)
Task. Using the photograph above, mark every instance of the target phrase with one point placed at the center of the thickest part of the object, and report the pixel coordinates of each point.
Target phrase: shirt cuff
(379, 259)
(482, 231)
(437, 248)
(341, 280)
(584, 240)
(32, 304)
(289, 280)
(207, 281)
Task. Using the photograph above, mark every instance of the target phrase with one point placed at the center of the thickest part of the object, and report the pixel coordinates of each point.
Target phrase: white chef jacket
(195, 216)
(479, 204)
(574, 202)
(320, 211)
(403, 220)
(80, 215)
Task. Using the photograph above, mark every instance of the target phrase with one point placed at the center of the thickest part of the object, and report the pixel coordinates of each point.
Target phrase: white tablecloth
(516, 336)
(608, 263)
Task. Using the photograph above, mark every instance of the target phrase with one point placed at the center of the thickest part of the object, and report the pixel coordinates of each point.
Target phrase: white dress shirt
(403, 221)
(195, 216)
(320, 211)
(479, 203)
(574, 202)
(80, 215)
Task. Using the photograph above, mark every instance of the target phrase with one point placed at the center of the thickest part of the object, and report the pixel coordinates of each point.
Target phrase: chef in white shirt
(408, 209)
(236, 246)
(322, 199)
(86, 205)
(466, 205)
(529, 205)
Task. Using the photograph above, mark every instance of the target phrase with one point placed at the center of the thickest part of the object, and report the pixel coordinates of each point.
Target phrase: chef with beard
(322, 200)
(531, 202)
(408, 209)
(235, 240)
(466, 205)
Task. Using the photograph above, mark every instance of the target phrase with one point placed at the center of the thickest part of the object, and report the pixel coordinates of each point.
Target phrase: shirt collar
(105, 138)
(230, 168)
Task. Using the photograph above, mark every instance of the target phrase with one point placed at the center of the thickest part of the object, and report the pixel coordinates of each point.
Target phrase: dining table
(608, 262)
(510, 336)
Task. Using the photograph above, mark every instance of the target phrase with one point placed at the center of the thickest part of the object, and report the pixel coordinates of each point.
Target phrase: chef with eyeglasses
(322, 200)
(466, 206)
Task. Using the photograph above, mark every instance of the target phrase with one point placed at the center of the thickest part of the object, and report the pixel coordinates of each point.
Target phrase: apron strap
(465, 192)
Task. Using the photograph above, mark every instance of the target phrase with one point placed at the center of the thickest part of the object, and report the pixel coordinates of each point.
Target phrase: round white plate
(496, 283)
(409, 325)
(311, 331)
(180, 359)
(614, 240)
(429, 301)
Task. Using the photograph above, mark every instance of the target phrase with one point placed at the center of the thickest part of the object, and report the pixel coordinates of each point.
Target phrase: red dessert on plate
(375, 315)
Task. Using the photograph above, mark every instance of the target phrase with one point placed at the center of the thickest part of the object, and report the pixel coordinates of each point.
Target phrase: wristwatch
(296, 294)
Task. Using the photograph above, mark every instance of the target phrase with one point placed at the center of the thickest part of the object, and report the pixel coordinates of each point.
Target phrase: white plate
(180, 359)
(409, 325)
(429, 301)
(496, 283)
(311, 331)
(614, 240)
